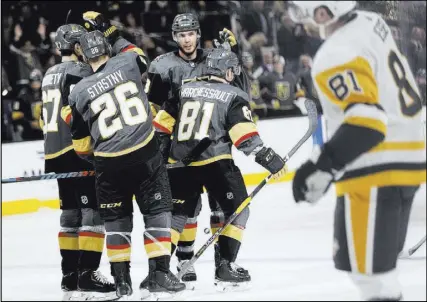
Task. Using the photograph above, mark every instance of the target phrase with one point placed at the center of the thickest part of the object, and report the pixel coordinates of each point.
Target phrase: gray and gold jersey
(111, 114)
(210, 108)
(167, 72)
(55, 91)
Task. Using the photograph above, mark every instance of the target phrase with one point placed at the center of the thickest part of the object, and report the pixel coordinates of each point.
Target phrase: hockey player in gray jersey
(81, 237)
(112, 124)
(165, 77)
(211, 107)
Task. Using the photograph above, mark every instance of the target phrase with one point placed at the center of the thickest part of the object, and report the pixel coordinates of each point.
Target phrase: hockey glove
(313, 178)
(96, 21)
(227, 36)
(267, 158)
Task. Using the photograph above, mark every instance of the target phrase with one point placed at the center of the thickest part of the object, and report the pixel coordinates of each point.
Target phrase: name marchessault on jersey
(207, 93)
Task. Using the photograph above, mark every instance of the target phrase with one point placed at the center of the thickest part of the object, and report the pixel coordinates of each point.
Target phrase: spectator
(142, 40)
(256, 43)
(290, 40)
(258, 106)
(416, 52)
(27, 109)
(267, 62)
(160, 16)
(6, 108)
(280, 88)
(306, 81)
(255, 20)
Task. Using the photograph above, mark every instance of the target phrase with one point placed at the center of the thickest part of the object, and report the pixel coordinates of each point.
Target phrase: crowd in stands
(277, 53)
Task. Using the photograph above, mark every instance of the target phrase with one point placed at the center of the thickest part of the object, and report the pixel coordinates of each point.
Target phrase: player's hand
(271, 161)
(227, 35)
(96, 21)
(311, 181)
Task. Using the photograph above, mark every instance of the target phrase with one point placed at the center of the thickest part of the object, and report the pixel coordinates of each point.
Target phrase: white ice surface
(287, 248)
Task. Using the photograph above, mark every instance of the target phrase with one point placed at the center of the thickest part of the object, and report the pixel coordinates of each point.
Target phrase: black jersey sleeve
(240, 126)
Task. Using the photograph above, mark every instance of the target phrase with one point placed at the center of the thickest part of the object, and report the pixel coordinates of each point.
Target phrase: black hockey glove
(96, 21)
(313, 178)
(271, 161)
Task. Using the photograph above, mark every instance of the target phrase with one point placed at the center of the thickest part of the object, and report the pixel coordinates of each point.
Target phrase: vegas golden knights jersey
(213, 109)
(111, 114)
(57, 136)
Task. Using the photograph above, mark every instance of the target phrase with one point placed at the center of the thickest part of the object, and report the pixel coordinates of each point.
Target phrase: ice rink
(287, 248)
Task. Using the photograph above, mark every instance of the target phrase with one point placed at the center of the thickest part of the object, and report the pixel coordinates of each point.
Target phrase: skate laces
(100, 277)
(171, 277)
(235, 267)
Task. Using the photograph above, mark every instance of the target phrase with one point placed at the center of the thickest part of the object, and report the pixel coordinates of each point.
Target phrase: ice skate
(69, 286)
(190, 277)
(230, 277)
(93, 286)
(159, 285)
(123, 283)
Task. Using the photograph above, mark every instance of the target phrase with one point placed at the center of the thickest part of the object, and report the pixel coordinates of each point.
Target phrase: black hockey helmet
(68, 35)
(94, 44)
(220, 60)
(185, 22)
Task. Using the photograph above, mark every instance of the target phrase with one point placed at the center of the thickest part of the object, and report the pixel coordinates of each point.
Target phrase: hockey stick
(406, 254)
(312, 118)
(194, 153)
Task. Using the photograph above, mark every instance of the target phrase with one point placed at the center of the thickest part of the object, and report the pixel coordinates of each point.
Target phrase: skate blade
(68, 296)
(162, 296)
(223, 286)
(94, 296)
(189, 285)
(128, 298)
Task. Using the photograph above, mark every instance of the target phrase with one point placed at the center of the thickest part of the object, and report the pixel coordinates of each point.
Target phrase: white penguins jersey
(362, 79)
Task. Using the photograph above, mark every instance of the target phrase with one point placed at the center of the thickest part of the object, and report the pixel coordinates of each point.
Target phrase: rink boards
(27, 159)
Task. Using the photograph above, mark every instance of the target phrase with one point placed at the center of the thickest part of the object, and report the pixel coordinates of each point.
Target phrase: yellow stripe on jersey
(66, 114)
(128, 150)
(241, 131)
(358, 206)
(164, 122)
(367, 123)
(204, 162)
(382, 179)
(41, 123)
(351, 82)
(59, 153)
(83, 145)
(154, 109)
(399, 146)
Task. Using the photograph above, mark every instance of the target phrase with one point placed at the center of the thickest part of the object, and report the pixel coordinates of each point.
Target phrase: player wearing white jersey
(375, 154)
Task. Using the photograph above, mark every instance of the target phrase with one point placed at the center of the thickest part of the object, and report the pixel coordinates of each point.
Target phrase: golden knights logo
(282, 91)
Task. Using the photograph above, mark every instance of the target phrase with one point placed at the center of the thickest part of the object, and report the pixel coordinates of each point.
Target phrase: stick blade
(310, 106)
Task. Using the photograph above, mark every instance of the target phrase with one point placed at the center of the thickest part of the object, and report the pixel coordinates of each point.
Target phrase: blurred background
(277, 53)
